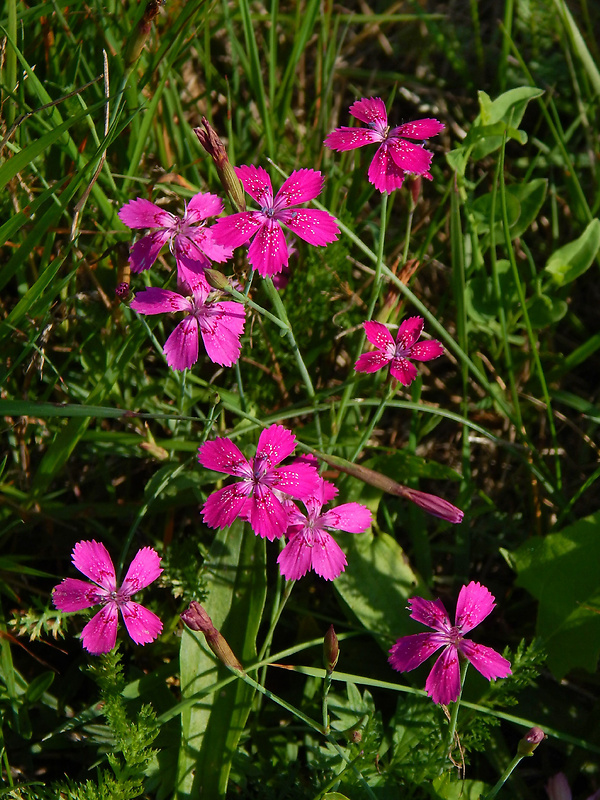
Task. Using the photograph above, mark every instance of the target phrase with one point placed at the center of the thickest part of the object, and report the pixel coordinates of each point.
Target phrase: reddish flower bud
(530, 741)
(196, 618)
(140, 35)
(331, 650)
(215, 148)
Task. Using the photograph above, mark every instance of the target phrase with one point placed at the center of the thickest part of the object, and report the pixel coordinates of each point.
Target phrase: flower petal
(204, 205)
(370, 110)
(486, 660)
(100, 634)
(142, 625)
(236, 229)
(268, 251)
(93, 560)
(145, 251)
(314, 226)
(222, 455)
(409, 157)
(298, 480)
(221, 326)
(225, 505)
(419, 129)
(430, 612)
(558, 787)
(350, 517)
(403, 370)
(328, 559)
(410, 652)
(190, 252)
(159, 301)
(302, 185)
(141, 213)
(379, 335)
(144, 569)
(371, 362)
(383, 173)
(409, 332)
(295, 558)
(425, 351)
(181, 348)
(73, 594)
(268, 517)
(350, 138)
(275, 443)
(443, 683)
(257, 183)
(475, 603)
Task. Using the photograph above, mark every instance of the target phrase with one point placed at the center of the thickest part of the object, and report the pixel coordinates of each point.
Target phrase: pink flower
(475, 602)
(268, 252)
(220, 324)
(397, 353)
(395, 156)
(255, 497)
(100, 633)
(310, 546)
(558, 788)
(191, 244)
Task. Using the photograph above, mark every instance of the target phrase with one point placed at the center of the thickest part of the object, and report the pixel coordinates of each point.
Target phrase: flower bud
(331, 650)
(530, 741)
(139, 36)
(216, 150)
(217, 280)
(431, 503)
(196, 618)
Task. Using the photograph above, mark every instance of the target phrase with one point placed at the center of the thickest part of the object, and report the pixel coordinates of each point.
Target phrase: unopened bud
(217, 280)
(530, 741)
(215, 148)
(431, 503)
(415, 189)
(139, 36)
(155, 450)
(196, 618)
(331, 650)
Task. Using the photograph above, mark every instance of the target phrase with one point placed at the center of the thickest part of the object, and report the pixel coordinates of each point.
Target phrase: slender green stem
(326, 688)
(454, 714)
(275, 618)
(280, 308)
(504, 777)
(375, 419)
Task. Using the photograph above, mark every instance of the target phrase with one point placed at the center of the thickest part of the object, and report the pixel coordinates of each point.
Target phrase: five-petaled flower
(220, 324)
(395, 156)
(268, 252)
(310, 545)
(396, 353)
(475, 602)
(100, 633)
(191, 243)
(258, 496)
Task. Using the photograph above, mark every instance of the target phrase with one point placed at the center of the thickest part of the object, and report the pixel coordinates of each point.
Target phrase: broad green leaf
(480, 297)
(377, 584)
(211, 729)
(573, 259)
(450, 787)
(509, 107)
(544, 310)
(561, 572)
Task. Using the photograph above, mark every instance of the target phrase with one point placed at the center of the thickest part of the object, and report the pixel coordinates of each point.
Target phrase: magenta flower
(220, 324)
(395, 156)
(396, 353)
(475, 602)
(268, 252)
(558, 788)
(310, 545)
(255, 497)
(191, 243)
(100, 633)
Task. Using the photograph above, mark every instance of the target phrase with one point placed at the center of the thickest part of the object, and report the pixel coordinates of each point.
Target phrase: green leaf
(573, 259)
(448, 787)
(212, 728)
(377, 584)
(509, 107)
(544, 310)
(561, 572)
(38, 686)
